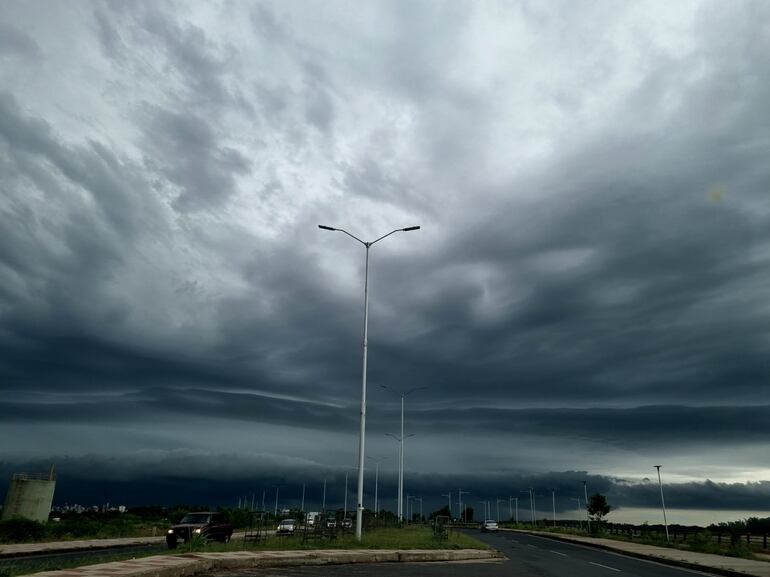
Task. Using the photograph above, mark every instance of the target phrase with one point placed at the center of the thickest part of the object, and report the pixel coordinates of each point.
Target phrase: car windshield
(195, 518)
(287, 522)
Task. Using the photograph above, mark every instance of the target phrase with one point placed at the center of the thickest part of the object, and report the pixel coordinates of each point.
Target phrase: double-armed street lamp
(403, 394)
(362, 433)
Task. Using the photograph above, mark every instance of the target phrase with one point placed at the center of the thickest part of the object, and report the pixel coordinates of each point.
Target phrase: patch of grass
(393, 538)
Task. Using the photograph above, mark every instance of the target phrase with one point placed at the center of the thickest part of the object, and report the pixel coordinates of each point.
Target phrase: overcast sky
(587, 296)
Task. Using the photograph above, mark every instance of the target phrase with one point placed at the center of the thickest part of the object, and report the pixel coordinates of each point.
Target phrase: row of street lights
(362, 431)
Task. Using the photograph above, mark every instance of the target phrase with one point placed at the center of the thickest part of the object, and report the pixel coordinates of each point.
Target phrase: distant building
(30, 496)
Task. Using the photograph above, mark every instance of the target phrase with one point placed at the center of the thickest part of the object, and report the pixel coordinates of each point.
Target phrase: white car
(489, 525)
(286, 527)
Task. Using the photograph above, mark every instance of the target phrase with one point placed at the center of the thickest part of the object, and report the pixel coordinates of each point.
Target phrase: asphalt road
(528, 556)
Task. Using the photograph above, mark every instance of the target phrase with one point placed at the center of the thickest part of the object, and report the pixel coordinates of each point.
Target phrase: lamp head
(408, 228)
(324, 227)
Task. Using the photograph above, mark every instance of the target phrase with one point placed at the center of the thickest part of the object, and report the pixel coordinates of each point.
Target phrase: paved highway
(528, 556)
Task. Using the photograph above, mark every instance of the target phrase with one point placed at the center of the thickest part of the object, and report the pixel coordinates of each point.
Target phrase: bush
(18, 530)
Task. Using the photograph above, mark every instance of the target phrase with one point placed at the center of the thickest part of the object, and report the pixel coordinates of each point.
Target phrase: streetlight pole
(376, 482)
(362, 432)
(400, 470)
(585, 494)
(662, 501)
(580, 512)
(323, 503)
(345, 510)
(275, 513)
(449, 497)
(403, 394)
(553, 502)
(460, 494)
(303, 498)
(516, 501)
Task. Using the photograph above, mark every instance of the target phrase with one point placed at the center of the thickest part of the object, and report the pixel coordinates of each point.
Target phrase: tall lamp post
(662, 501)
(401, 450)
(362, 433)
(376, 482)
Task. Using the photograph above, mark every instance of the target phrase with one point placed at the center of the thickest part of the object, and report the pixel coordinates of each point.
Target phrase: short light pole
(345, 510)
(553, 502)
(449, 497)
(585, 494)
(662, 501)
(408, 505)
(275, 513)
(516, 501)
(460, 494)
(484, 518)
(362, 432)
(531, 514)
(580, 512)
(302, 507)
(376, 482)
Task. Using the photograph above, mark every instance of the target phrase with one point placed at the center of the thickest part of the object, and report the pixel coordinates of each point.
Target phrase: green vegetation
(598, 507)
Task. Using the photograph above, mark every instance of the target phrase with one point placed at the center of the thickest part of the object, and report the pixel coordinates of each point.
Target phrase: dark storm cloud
(14, 42)
(180, 477)
(611, 292)
(204, 169)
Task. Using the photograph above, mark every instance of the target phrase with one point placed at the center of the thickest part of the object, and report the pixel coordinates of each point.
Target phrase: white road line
(557, 553)
(605, 566)
(530, 545)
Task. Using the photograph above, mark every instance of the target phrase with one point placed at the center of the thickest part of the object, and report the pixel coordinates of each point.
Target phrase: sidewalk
(62, 546)
(699, 561)
(192, 563)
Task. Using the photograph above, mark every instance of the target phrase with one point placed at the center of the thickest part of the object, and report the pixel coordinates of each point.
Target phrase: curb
(189, 564)
(646, 557)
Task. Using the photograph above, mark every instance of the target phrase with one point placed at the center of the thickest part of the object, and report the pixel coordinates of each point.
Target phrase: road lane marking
(562, 554)
(605, 566)
(530, 545)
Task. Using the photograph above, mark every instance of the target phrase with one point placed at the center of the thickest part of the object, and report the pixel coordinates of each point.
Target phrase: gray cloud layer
(592, 264)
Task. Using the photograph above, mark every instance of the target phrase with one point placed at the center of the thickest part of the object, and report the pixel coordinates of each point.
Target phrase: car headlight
(170, 531)
(197, 531)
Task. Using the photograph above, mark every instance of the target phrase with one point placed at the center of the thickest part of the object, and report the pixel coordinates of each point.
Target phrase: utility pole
(323, 506)
(345, 514)
(302, 507)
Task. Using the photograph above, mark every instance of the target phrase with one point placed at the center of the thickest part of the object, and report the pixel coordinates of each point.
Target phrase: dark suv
(209, 526)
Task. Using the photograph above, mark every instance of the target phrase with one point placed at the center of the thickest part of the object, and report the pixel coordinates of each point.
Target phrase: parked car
(286, 527)
(207, 525)
(347, 523)
(490, 526)
(331, 523)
